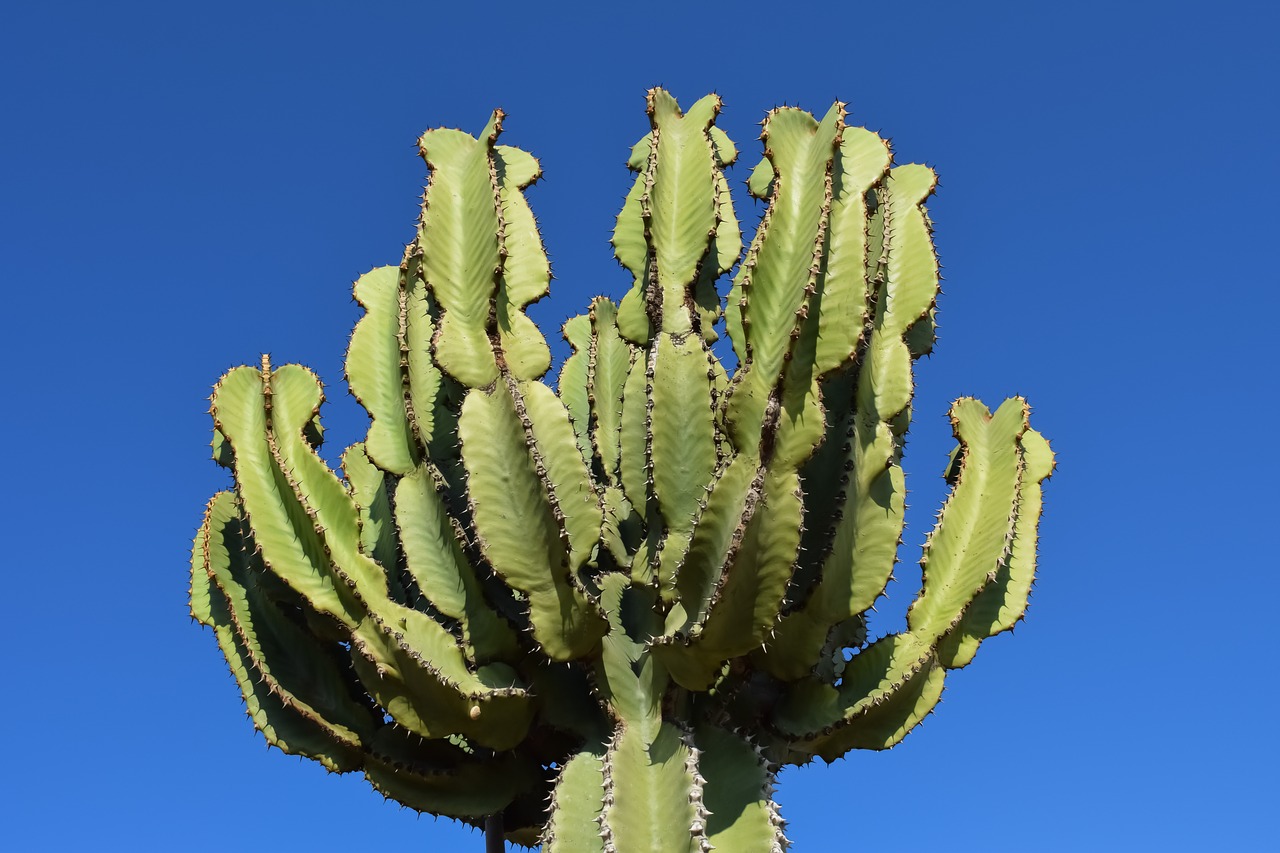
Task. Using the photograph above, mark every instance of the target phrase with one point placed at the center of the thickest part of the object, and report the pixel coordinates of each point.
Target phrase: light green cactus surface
(612, 612)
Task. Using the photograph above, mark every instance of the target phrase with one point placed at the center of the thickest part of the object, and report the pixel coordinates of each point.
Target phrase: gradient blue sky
(184, 186)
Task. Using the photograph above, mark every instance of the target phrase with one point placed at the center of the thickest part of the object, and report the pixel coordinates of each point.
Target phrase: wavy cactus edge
(549, 612)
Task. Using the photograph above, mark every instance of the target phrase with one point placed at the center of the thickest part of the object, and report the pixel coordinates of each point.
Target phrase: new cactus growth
(611, 614)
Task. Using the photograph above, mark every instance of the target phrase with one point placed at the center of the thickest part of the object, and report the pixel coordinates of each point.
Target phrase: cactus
(609, 615)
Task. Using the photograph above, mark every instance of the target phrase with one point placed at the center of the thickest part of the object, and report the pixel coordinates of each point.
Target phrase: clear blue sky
(184, 186)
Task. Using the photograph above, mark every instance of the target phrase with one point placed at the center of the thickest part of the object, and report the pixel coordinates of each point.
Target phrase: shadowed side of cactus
(562, 614)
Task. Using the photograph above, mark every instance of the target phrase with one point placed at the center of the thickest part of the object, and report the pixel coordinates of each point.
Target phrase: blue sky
(186, 186)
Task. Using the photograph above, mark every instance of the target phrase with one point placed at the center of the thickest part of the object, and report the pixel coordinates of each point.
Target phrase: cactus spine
(645, 594)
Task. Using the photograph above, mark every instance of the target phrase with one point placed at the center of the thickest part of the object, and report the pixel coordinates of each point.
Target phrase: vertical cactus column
(603, 618)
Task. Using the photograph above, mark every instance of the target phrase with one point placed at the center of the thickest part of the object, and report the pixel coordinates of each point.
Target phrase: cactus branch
(602, 618)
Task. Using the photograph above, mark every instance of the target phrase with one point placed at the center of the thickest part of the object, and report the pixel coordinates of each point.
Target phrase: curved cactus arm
(308, 528)
(851, 543)
(975, 529)
(962, 555)
(369, 489)
(747, 594)
(772, 407)
(325, 722)
(435, 778)
(1003, 602)
(460, 239)
(376, 365)
(434, 557)
(574, 383)
(676, 233)
(518, 522)
(609, 364)
(717, 540)
(682, 441)
(482, 257)
(880, 725)
(631, 682)
(845, 291)
(307, 676)
(781, 268)
(284, 532)
(525, 270)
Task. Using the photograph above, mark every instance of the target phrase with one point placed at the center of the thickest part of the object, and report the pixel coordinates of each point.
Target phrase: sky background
(185, 186)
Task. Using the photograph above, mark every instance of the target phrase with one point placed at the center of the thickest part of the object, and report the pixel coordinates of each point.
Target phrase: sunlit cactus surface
(604, 617)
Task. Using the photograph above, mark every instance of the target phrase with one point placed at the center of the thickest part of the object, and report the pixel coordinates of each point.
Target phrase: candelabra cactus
(610, 615)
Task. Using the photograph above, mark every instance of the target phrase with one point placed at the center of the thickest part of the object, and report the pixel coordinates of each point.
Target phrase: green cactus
(645, 594)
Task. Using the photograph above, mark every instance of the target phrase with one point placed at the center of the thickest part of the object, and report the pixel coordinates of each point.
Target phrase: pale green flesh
(637, 596)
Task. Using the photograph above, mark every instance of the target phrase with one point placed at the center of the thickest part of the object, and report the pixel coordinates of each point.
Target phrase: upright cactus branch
(603, 618)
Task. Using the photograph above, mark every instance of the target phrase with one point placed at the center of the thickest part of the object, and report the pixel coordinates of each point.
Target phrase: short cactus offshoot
(610, 614)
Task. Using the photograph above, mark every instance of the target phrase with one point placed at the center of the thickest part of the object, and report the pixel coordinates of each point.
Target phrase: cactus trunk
(603, 618)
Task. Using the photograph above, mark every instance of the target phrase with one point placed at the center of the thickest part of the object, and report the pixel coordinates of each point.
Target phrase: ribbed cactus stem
(602, 619)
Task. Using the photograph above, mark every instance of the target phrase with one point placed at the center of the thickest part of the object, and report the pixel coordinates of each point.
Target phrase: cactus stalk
(603, 618)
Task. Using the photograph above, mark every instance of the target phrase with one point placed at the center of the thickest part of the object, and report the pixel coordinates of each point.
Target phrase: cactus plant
(643, 595)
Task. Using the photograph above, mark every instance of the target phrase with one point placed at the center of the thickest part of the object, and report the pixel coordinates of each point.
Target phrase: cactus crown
(612, 613)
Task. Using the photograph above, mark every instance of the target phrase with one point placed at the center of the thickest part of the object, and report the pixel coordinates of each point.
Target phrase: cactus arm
(682, 427)
(460, 238)
(526, 273)
(219, 550)
(567, 481)
(574, 384)
(435, 559)
(974, 531)
(576, 802)
(739, 794)
(1003, 602)
(282, 530)
(631, 682)
(368, 485)
(883, 724)
(778, 275)
(911, 285)
(717, 539)
(749, 593)
(962, 554)
(857, 545)
(677, 232)
(468, 790)
(374, 370)
(653, 794)
(610, 363)
(679, 206)
(482, 256)
(394, 644)
(862, 162)
(305, 675)
(516, 524)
